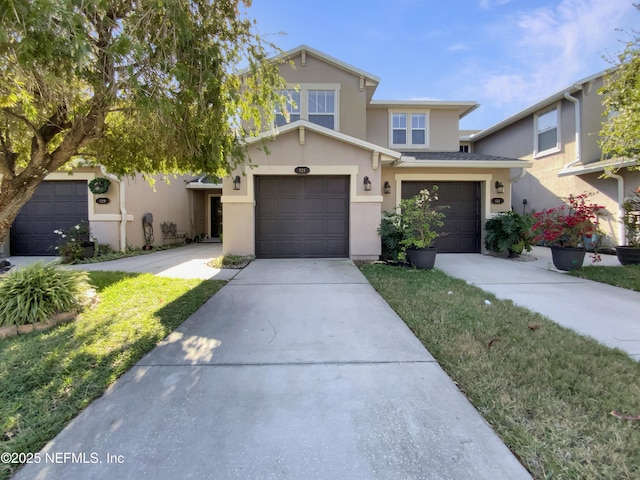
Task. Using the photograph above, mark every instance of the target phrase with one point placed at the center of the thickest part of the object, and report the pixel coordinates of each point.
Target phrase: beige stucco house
(559, 137)
(317, 183)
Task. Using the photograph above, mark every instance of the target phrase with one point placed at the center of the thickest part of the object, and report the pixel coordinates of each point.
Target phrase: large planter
(423, 258)
(567, 258)
(628, 255)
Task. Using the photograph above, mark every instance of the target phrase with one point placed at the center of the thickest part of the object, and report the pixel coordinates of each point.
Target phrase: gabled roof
(459, 159)
(570, 89)
(386, 153)
(463, 107)
(329, 59)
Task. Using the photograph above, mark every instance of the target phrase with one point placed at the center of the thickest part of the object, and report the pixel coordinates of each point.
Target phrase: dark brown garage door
(302, 217)
(55, 206)
(462, 222)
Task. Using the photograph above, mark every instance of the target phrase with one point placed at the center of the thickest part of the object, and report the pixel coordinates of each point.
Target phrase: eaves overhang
(599, 167)
(410, 162)
(463, 107)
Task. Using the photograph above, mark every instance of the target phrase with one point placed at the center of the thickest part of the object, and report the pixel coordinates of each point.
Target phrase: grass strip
(625, 276)
(547, 391)
(48, 378)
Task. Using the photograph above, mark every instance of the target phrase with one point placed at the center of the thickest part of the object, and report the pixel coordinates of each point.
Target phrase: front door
(215, 211)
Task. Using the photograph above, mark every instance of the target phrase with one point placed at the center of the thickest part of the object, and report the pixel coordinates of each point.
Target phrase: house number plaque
(102, 200)
(302, 170)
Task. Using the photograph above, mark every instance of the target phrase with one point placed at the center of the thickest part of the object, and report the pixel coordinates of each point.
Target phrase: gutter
(576, 104)
(123, 210)
(622, 234)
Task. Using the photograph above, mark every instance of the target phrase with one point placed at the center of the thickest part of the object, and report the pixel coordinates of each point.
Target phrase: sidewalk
(608, 314)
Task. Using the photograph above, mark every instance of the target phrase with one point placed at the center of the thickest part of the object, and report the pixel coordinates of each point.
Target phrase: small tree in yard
(135, 85)
(620, 134)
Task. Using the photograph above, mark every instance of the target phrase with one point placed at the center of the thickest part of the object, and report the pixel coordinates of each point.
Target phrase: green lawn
(47, 378)
(547, 391)
(625, 276)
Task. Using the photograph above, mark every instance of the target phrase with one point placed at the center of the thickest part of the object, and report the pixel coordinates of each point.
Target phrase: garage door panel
(314, 206)
(461, 227)
(318, 205)
(56, 205)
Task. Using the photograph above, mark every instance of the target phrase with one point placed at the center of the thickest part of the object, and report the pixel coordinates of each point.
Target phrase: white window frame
(304, 88)
(410, 129)
(536, 132)
(289, 93)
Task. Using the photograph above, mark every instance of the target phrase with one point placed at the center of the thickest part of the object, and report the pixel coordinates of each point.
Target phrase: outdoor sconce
(387, 188)
(236, 183)
(367, 184)
(499, 187)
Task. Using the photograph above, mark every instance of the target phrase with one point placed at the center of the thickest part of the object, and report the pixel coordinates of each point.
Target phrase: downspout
(123, 210)
(622, 234)
(576, 109)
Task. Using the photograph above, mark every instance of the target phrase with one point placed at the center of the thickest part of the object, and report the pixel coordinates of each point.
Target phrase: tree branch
(32, 127)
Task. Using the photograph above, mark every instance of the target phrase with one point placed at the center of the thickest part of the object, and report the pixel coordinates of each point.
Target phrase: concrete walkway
(296, 369)
(608, 314)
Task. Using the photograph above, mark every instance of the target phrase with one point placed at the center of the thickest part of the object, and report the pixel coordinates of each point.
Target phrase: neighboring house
(341, 161)
(559, 136)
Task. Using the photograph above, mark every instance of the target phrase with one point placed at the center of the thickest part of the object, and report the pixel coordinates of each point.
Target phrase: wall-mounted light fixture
(367, 184)
(499, 187)
(387, 188)
(236, 183)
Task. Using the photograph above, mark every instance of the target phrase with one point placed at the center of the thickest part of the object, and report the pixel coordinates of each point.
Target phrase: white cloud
(457, 47)
(552, 47)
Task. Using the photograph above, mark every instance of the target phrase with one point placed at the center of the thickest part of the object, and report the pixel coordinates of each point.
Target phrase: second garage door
(302, 216)
(55, 205)
(462, 219)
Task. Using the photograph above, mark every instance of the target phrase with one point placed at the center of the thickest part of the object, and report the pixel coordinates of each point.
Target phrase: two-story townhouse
(316, 185)
(320, 187)
(559, 136)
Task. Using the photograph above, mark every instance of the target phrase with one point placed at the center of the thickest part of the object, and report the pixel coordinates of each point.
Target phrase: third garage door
(302, 216)
(462, 221)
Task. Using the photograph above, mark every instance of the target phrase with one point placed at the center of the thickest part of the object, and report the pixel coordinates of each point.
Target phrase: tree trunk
(14, 193)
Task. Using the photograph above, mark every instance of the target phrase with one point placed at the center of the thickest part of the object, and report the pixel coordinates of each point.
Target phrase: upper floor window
(409, 129)
(293, 108)
(547, 139)
(316, 103)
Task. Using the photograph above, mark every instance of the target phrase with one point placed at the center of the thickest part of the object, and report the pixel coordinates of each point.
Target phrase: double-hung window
(293, 108)
(547, 138)
(322, 107)
(409, 129)
(316, 103)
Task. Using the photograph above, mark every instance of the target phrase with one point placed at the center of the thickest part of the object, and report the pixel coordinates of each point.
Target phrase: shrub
(509, 232)
(33, 293)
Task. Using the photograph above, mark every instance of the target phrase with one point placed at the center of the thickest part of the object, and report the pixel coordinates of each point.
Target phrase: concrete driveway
(296, 369)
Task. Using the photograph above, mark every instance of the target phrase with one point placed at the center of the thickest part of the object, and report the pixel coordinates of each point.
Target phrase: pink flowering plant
(568, 225)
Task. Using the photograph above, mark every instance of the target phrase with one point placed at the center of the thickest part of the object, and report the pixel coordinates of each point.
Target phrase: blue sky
(504, 54)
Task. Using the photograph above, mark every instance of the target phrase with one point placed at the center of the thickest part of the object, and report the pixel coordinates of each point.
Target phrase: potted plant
(409, 233)
(566, 229)
(629, 254)
(509, 232)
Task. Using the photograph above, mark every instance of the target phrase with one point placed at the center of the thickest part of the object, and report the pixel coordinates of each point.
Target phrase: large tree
(620, 134)
(135, 85)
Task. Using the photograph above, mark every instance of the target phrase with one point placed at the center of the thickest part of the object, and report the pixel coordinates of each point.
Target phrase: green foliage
(137, 86)
(620, 134)
(631, 219)
(391, 238)
(74, 242)
(415, 226)
(33, 293)
(509, 232)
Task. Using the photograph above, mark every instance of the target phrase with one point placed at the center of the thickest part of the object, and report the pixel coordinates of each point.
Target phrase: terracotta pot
(567, 258)
(628, 255)
(423, 258)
